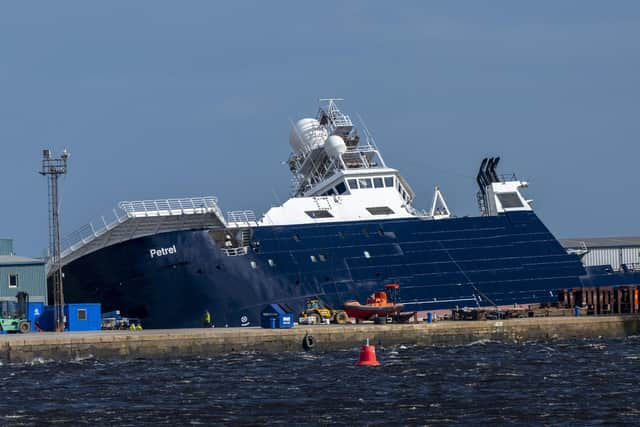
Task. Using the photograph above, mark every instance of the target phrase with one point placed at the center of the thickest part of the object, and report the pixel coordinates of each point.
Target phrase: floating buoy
(368, 356)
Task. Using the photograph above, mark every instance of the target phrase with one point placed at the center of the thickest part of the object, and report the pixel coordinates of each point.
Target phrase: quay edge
(105, 345)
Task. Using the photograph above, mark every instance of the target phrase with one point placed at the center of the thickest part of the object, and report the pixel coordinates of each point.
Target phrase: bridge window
(341, 188)
(377, 183)
(365, 183)
(13, 280)
(388, 181)
(353, 184)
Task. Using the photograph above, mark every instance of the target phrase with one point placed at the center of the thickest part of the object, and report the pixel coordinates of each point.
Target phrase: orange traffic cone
(368, 356)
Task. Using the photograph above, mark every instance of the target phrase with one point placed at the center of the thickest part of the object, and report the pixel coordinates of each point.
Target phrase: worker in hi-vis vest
(206, 319)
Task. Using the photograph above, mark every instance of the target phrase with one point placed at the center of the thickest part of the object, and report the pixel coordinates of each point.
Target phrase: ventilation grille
(380, 210)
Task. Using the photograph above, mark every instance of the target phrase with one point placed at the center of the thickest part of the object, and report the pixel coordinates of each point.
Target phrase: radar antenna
(52, 169)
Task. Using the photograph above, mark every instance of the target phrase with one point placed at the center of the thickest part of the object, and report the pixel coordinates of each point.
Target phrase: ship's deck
(143, 218)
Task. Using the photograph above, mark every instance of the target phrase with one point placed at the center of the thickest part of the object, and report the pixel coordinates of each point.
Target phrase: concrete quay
(204, 342)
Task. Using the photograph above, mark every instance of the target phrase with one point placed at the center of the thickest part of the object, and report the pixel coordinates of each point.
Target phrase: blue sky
(170, 99)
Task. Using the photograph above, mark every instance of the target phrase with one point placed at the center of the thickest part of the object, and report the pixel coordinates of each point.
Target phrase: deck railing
(136, 209)
(244, 217)
(166, 207)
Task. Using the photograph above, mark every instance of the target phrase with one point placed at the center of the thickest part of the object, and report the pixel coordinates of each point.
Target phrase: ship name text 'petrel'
(163, 251)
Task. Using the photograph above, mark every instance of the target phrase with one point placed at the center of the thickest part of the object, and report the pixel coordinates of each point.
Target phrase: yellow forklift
(316, 312)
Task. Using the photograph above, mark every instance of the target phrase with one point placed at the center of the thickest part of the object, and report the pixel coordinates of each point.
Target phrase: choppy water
(562, 383)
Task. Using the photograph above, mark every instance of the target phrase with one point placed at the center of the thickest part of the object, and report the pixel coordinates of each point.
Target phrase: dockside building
(18, 273)
(619, 252)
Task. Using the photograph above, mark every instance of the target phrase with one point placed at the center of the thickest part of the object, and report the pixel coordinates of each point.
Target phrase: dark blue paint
(505, 259)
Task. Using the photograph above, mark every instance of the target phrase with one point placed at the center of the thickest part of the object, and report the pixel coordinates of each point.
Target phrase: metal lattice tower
(53, 168)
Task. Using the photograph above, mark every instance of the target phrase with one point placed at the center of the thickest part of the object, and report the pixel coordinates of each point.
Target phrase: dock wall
(203, 342)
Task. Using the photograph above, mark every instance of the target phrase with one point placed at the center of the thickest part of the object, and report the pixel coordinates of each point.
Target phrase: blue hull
(481, 261)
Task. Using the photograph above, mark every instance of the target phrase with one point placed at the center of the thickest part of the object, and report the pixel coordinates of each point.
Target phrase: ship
(348, 228)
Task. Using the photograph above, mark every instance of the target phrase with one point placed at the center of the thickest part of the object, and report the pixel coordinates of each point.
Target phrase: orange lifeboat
(378, 304)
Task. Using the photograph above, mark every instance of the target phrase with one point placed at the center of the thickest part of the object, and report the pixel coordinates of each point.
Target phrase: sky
(163, 99)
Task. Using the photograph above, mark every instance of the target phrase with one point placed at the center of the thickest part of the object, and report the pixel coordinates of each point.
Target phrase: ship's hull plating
(506, 259)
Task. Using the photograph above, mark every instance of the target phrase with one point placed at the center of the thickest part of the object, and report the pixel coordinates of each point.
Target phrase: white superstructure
(338, 177)
(499, 194)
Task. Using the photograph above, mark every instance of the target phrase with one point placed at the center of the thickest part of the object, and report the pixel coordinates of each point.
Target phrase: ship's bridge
(339, 177)
(131, 220)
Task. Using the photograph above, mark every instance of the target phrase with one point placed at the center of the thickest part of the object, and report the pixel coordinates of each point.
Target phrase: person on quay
(206, 319)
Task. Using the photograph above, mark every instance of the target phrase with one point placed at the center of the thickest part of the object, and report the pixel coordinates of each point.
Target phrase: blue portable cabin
(34, 311)
(80, 317)
(83, 317)
(274, 316)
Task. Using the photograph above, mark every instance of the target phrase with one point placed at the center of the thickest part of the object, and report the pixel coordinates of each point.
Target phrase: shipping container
(275, 316)
(35, 310)
(80, 317)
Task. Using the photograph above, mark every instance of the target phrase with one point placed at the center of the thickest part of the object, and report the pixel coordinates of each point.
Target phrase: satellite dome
(335, 146)
(306, 135)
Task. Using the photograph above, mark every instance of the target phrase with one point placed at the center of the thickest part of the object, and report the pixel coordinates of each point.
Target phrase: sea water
(580, 382)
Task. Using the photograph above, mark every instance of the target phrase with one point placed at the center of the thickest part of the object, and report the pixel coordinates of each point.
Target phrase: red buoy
(368, 356)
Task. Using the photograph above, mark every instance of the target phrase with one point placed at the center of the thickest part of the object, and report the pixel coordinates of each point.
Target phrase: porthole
(313, 258)
(322, 258)
(253, 265)
(271, 263)
(367, 254)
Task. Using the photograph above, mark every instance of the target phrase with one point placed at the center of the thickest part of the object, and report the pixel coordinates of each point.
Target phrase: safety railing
(241, 217)
(136, 209)
(505, 177)
(85, 234)
(241, 251)
(164, 207)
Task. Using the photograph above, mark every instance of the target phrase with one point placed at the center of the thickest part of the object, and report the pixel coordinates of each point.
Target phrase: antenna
(53, 168)
(370, 139)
